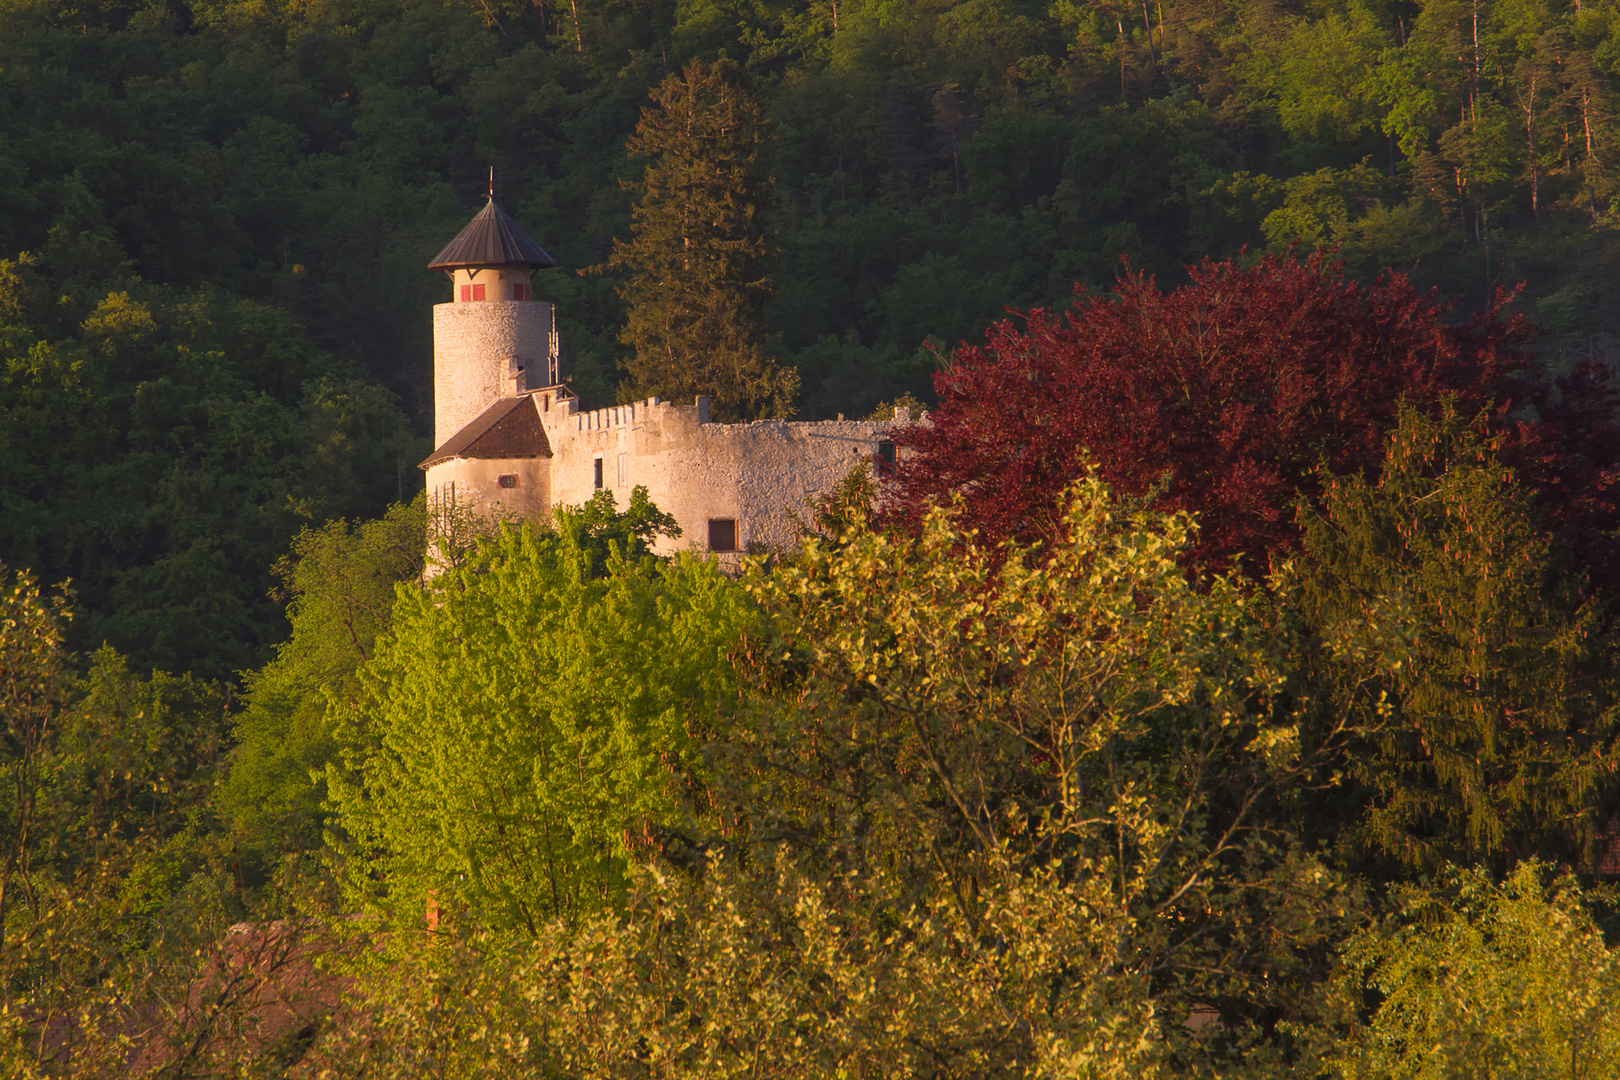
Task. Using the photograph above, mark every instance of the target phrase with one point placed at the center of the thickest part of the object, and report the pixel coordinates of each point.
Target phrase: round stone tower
(492, 340)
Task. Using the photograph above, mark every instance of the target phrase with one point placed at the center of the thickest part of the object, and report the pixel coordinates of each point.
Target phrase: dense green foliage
(161, 446)
(118, 870)
(1499, 676)
(1082, 711)
(899, 805)
(341, 583)
(531, 720)
(1479, 978)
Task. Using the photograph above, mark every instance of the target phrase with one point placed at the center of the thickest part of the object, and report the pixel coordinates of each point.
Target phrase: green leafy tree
(764, 969)
(982, 819)
(1323, 75)
(697, 258)
(127, 887)
(935, 709)
(161, 451)
(1482, 978)
(340, 581)
(534, 717)
(34, 683)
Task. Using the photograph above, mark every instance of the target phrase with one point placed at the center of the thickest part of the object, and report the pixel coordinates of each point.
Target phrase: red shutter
(478, 292)
(520, 292)
(466, 293)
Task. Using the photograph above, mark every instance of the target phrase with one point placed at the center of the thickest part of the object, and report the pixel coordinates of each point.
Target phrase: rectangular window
(478, 292)
(885, 457)
(510, 480)
(466, 293)
(598, 474)
(722, 534)
(624, 470)
(520, 292)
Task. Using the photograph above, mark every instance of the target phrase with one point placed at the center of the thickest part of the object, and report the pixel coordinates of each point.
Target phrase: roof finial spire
(492, 183)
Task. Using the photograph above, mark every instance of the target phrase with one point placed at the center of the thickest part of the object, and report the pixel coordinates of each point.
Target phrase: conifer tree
(697, 260)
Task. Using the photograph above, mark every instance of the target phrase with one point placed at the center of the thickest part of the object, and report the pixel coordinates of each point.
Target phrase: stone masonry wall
(475, 484)
(476, 348)
(762, 475)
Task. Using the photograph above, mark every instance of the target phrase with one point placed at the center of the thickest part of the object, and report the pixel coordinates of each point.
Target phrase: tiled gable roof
(510, 428)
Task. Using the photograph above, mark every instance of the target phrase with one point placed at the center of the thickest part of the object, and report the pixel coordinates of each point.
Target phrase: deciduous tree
(1219, 397)
(34, 684)
(532, 717)
(963, 830)
(1083, 706)
(339, 582)
(1476, 977)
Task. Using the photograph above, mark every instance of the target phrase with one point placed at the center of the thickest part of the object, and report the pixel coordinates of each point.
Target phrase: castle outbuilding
(514, 441)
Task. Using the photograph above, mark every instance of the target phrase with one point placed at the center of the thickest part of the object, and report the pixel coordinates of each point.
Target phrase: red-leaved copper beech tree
(1226, 393)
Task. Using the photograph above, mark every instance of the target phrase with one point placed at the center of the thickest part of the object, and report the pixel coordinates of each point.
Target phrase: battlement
(617, 416)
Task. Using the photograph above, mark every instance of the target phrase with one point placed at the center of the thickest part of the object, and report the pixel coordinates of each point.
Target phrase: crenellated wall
(762, 475)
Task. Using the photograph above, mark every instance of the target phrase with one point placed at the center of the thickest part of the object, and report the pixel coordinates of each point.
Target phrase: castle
(513, 440)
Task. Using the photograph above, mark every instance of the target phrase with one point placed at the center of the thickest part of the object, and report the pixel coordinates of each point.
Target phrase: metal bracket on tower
(552, 350)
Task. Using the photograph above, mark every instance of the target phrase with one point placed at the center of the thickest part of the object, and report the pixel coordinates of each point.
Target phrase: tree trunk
(1121, 24)
(1591, 162)
(1530, 142)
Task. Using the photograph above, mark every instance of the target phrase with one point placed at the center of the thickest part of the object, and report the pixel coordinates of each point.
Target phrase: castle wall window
(520, 292)
(885, 457)
(624, 470)
(598, 474)
(478, 292)
(722, 534)
(509, 480)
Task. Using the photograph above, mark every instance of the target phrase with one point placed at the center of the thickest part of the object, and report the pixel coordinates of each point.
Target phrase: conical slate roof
(492, 239)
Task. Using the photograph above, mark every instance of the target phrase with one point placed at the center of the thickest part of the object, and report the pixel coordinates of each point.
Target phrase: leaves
(1218, 397)
(1078, 709)
(531, 721)
(1506, 978)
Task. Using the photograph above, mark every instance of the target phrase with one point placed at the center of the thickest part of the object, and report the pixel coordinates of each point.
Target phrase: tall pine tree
(698, 256)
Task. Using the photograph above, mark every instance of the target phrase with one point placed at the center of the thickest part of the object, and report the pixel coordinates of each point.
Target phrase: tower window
(722, 534)
(520, 292)
(598, 474)
(509, 480)
(478, 292)
(624, 470)
(466, 293)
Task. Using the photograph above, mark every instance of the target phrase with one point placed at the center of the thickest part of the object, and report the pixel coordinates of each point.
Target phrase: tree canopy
(1225, 714)
(1233, 395)
(515, 772)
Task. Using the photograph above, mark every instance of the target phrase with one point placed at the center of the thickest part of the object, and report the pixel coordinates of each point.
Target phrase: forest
(1222, 682)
